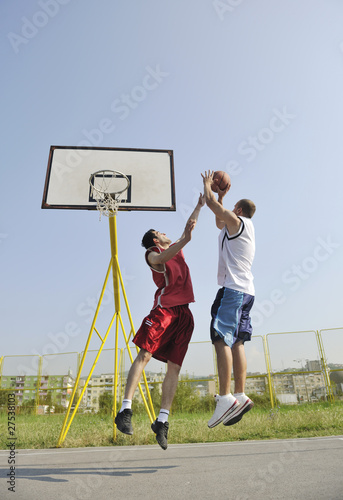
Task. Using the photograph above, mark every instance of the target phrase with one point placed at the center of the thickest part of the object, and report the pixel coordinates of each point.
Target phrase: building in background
(54, 389)
(289, 386)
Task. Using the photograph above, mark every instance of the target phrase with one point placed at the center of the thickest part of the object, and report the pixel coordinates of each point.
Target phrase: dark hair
(248, 207)
(148, 238)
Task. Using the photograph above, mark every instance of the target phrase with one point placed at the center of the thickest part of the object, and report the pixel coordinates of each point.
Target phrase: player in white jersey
(230, 324)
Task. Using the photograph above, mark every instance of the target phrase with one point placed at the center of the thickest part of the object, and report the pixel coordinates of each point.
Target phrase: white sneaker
(245, 404)
(225, 406)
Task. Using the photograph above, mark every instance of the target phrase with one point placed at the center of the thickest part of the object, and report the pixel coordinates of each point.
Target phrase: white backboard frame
(151, 174)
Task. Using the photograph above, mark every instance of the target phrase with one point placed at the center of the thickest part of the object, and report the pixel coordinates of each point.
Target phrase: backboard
(150, 171)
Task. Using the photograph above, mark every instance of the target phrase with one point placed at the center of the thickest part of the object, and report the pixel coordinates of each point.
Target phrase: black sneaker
(245, 407)
(234, 420)
(123, 421)
(161, 431)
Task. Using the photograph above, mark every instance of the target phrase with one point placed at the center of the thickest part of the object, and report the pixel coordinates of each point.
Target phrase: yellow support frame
(325, 369)
(39, 377)
(118, 286)
(269, 375)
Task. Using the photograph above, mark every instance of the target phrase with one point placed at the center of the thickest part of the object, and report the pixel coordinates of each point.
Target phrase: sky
(250, 87)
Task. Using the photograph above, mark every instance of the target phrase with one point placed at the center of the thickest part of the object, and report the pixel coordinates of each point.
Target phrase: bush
(59, 408)
(156, 396)
(28, 407)
(138, 406)
(105, 403)
(186, 399)
(208, 403)
(261, 400)
(4, 398)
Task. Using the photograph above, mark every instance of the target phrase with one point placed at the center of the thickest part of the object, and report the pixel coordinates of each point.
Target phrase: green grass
(321, 419)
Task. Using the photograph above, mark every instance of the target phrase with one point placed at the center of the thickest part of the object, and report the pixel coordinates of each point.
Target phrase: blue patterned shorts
(230, 316)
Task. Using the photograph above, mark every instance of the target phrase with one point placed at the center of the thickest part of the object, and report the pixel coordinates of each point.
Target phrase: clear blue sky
(254, 88)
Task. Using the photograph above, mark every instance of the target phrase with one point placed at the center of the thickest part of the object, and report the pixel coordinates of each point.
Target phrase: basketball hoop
(107, 188)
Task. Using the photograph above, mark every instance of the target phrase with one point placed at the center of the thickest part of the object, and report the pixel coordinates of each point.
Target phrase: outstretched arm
(220, 223)
(201, 202)
(158, 259)
(224, 217)
(195, 214)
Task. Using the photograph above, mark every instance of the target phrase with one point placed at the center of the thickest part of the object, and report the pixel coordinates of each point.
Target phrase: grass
(310, 420)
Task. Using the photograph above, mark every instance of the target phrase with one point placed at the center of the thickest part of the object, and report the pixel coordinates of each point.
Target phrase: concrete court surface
(304, 469)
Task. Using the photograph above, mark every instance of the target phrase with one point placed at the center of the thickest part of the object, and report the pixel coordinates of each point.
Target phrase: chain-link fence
(287, 368)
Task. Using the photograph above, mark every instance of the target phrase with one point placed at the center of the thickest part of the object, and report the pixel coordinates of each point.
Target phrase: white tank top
(236, 255)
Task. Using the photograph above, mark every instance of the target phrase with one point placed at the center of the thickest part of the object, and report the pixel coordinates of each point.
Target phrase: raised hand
(189, 228)
(202, 200)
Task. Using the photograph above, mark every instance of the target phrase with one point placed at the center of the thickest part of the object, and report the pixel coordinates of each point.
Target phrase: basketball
(221, 180)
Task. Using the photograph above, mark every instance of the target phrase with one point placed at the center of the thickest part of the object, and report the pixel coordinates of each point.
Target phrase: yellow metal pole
(39, 376)
(125, 299)
(325, 369)
(115, 378)
(114, 253)
(78, 362)
(112, 220)
(268, 365)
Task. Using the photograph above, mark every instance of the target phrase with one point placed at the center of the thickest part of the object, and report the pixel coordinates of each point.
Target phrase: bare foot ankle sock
(126, 404)
(163, 415)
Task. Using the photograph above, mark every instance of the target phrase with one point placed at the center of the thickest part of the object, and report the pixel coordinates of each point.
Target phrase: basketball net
(107, 199)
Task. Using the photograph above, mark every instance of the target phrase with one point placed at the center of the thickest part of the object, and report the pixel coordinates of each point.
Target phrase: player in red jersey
(166, 332)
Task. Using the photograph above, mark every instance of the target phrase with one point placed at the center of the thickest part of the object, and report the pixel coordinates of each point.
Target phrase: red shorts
(166, 333)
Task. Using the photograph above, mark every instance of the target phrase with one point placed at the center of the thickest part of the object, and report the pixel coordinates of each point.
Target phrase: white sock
(126, 404)
(240, 395)
(163, 415)
(228, 397)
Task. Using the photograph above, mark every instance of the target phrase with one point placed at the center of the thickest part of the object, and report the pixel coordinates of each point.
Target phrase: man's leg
(226, 402)
(169, 386)
(239, 366)
(135, 373)
(239, 373)
(123, 418)
(224, 365)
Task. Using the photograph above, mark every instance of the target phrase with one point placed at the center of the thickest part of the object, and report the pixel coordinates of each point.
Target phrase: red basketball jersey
(174, 284)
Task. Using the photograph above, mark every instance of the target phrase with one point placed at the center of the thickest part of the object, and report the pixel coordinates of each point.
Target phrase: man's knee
(144, 356)
(239, 345)
(221, 345)
(173, 367)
